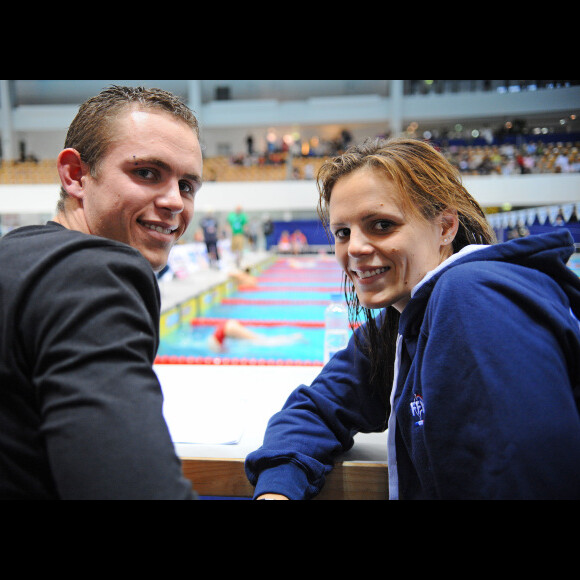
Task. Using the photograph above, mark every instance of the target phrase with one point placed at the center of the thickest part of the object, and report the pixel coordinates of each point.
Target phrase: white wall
(518, 190)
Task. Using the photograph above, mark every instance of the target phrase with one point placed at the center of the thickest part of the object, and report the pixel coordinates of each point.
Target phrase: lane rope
(172, 359)
(299, 323)
(272, 302)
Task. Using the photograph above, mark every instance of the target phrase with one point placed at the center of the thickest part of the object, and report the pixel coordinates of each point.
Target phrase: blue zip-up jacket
(486, 402)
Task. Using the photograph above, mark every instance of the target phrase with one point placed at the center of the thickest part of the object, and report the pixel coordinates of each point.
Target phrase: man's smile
(160, 227)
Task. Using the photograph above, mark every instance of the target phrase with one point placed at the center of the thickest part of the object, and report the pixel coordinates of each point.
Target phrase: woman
(470, 351)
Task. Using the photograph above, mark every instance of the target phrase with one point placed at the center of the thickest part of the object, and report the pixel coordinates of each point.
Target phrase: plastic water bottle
(336, 333)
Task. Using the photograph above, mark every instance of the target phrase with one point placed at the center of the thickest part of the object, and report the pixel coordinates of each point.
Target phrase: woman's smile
(383, 250)
(368, 275)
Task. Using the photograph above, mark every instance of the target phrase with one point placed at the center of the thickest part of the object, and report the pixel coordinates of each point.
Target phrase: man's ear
(449, 225)
(71, 170)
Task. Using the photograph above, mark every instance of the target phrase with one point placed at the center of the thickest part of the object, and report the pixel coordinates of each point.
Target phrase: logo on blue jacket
(418, 409)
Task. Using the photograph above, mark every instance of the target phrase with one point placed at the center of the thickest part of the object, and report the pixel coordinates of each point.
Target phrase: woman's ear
(449, 226)
(71, 170)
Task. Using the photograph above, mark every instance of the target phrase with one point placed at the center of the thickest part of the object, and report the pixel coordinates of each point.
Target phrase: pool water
(290, 312)
(286, 309)
(282, 296)
(192, 341)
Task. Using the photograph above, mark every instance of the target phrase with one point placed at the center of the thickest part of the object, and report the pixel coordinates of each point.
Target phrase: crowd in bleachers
(28, 171)
(493, 159)
(506, 159)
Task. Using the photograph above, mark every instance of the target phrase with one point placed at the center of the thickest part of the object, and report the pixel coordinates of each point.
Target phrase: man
(210, 228)
(238, 221)
(80, 405)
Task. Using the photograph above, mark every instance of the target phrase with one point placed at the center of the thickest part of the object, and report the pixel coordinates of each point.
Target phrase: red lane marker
(273, 302)
(295, 289)
(214, 360)
(298, 278)
(300, 323)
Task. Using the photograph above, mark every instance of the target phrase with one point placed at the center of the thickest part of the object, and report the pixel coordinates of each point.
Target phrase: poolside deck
(178, 290)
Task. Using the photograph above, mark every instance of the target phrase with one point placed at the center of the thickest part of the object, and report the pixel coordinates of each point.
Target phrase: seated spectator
(298, 241)
(561, 163)
(284, 245)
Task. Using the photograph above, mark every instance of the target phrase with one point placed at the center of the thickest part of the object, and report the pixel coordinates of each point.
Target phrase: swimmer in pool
(231, 328)
(244, 278)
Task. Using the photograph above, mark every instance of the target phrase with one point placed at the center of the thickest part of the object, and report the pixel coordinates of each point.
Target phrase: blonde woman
(469, 354)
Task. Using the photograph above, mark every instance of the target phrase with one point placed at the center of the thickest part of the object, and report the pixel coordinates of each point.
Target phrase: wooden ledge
(357, 480)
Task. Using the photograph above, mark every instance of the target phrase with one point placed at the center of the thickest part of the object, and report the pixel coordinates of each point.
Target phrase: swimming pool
(192, 341)
(287, 304)
(290, 299)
